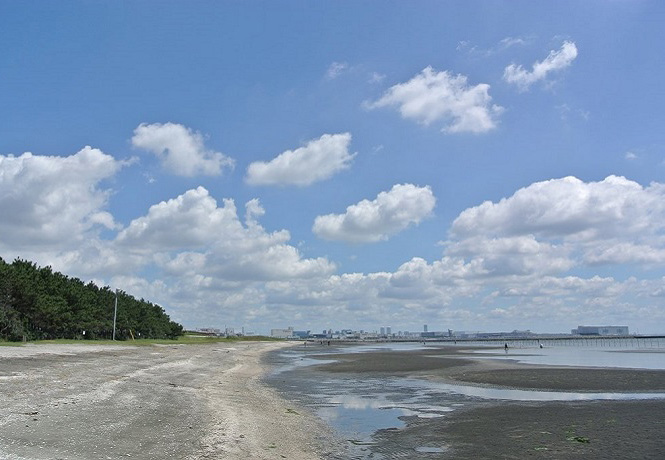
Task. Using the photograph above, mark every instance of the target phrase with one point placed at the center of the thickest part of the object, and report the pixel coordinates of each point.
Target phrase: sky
(469, 165)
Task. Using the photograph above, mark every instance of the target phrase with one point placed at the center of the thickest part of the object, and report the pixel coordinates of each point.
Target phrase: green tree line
(38, 303)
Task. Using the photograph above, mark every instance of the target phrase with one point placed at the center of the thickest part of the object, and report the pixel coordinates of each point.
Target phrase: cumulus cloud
(554, 62)
(196, 230)
(370, 221)
(181, 150)
(442, 97)
(318, 160)
(571, 208)
(503, 265)
(619, 252)
(613, 221)
(191, 220)
(516, 255)
(53, 200)
(209, 263)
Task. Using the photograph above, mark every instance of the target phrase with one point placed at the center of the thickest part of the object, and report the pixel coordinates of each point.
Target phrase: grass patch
(572, 436)
(583, 439)
(186, 339)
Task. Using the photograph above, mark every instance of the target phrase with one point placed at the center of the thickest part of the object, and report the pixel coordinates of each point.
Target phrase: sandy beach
(209, 401)
(151, 402)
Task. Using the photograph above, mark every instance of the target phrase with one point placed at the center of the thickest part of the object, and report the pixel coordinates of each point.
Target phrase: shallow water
(588, 357)
(357, 408)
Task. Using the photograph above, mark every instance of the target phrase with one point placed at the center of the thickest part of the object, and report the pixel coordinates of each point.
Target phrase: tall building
(383, 331)
(388, 330)
(424, 327)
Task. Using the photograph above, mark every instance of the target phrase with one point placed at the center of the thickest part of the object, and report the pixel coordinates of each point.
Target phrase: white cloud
(94, 257)
(336, 69)
(555, 61)
(474, 50)
(253, 210)
(617, 252)
(192, 220)
(464, 45)
(506, 262)
(52, 200)
(318, 160)
(568, 113)
(517, 255)
(370, 221)
(376, 77)
(512, 41)
(181, 150)
(192, 228)
(454, 293)
(442, 97)
(571, 208)
(493, 274)
(614, 221)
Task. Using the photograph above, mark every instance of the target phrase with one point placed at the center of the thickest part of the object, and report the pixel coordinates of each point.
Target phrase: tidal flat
(423, 402)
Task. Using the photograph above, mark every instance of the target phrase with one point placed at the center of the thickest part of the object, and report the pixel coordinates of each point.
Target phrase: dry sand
(152, 402)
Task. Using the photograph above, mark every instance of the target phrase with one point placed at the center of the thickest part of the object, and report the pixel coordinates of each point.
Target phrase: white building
(600, 330)
(282, 333)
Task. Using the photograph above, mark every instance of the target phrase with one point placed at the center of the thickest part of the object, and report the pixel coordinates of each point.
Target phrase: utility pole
(115, 312)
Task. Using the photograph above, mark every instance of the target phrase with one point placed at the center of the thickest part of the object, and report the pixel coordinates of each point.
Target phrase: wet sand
(560, 430)
(517, 430)
(457, 365)
(152, 402)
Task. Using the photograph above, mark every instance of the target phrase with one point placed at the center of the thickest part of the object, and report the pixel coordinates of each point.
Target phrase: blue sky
(469, 165)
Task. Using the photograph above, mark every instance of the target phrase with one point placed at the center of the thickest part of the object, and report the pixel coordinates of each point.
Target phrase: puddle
(358, 408)
(300, 362)
(573, 356)
(360, 424)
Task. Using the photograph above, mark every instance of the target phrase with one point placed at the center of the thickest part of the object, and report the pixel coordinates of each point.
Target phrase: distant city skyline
(588, 329)
(465, 165)
(385, 332)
